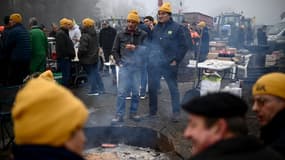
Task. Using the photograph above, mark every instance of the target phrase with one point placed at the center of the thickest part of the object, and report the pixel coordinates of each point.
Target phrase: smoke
(120, 9)
(266, 12)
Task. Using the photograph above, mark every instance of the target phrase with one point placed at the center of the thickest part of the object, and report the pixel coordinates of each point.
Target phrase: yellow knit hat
(16, 17)
(46, 113)
(64, 22)
(202, 24)
(88, 22)
(133, 15)
(272, 83)
(165, 7)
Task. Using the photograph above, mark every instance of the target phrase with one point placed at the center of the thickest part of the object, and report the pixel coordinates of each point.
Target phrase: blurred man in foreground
(48, 121)
(218, 131)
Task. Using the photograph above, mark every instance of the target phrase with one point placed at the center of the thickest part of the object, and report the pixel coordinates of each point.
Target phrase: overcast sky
(265, 11)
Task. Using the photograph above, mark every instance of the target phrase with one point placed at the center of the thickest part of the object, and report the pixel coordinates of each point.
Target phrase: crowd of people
(143, 53)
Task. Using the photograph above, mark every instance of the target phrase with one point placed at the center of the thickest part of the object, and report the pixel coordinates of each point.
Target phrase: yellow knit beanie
(64, 22)
(46, 113)
(165, 7)
(202, 24)
(16, 17)
(133, 15)
(272, 84)
(88, 22)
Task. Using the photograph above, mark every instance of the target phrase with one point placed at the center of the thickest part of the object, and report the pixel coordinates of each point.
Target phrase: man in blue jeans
(168, 47)
(65, 51)
(128, 52)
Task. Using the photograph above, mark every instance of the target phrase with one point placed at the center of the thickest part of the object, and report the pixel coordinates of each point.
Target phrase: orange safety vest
(194, 35)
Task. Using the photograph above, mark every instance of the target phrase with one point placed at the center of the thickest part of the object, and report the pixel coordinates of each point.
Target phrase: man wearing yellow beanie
(19, 50)
(128, 50)
(269, 106)
(16, 18)
(48, 121)
(88, 56)
(169, 45)
(64, 50)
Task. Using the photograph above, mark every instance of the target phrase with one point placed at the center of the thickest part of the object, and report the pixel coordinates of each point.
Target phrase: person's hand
(130, 47)
(173, 63)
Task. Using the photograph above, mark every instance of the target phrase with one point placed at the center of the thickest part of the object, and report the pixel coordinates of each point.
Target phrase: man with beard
(128, 50)
(168, 46)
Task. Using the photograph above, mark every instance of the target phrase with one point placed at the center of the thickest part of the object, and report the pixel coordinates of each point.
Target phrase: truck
(276, 36)
(227, 24)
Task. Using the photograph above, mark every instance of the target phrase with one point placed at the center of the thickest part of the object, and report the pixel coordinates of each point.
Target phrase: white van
(276, 36)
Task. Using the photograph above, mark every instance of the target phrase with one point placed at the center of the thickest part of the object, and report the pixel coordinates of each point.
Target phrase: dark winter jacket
(169, 43)
(124, 56)
(107, 37)
(36, 152)
(204, 46)
(88, 46)
(261, 37)
(240, 148)
(64, 45)
(18, 44)
(273, 134)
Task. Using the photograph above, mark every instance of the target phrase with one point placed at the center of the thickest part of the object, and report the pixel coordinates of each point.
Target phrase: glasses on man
(162, 13)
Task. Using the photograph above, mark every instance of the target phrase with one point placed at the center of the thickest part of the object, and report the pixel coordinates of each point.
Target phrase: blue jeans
(170, 75)
(143, 80)
(94, 77)
(65, 68)
(129, 81)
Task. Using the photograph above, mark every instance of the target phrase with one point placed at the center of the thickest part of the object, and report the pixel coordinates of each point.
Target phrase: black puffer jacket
(88, 47)
(273, 134)
(240, 148)
(18, 44)
(38, 152)
(64, 45)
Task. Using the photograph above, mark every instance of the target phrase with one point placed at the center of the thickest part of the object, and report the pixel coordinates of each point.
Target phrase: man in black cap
(218, 131)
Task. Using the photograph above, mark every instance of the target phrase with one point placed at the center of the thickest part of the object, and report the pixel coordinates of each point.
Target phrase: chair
(7, 96)
(244, 66)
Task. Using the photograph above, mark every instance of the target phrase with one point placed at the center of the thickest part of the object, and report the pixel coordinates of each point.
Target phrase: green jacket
(39, 50)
